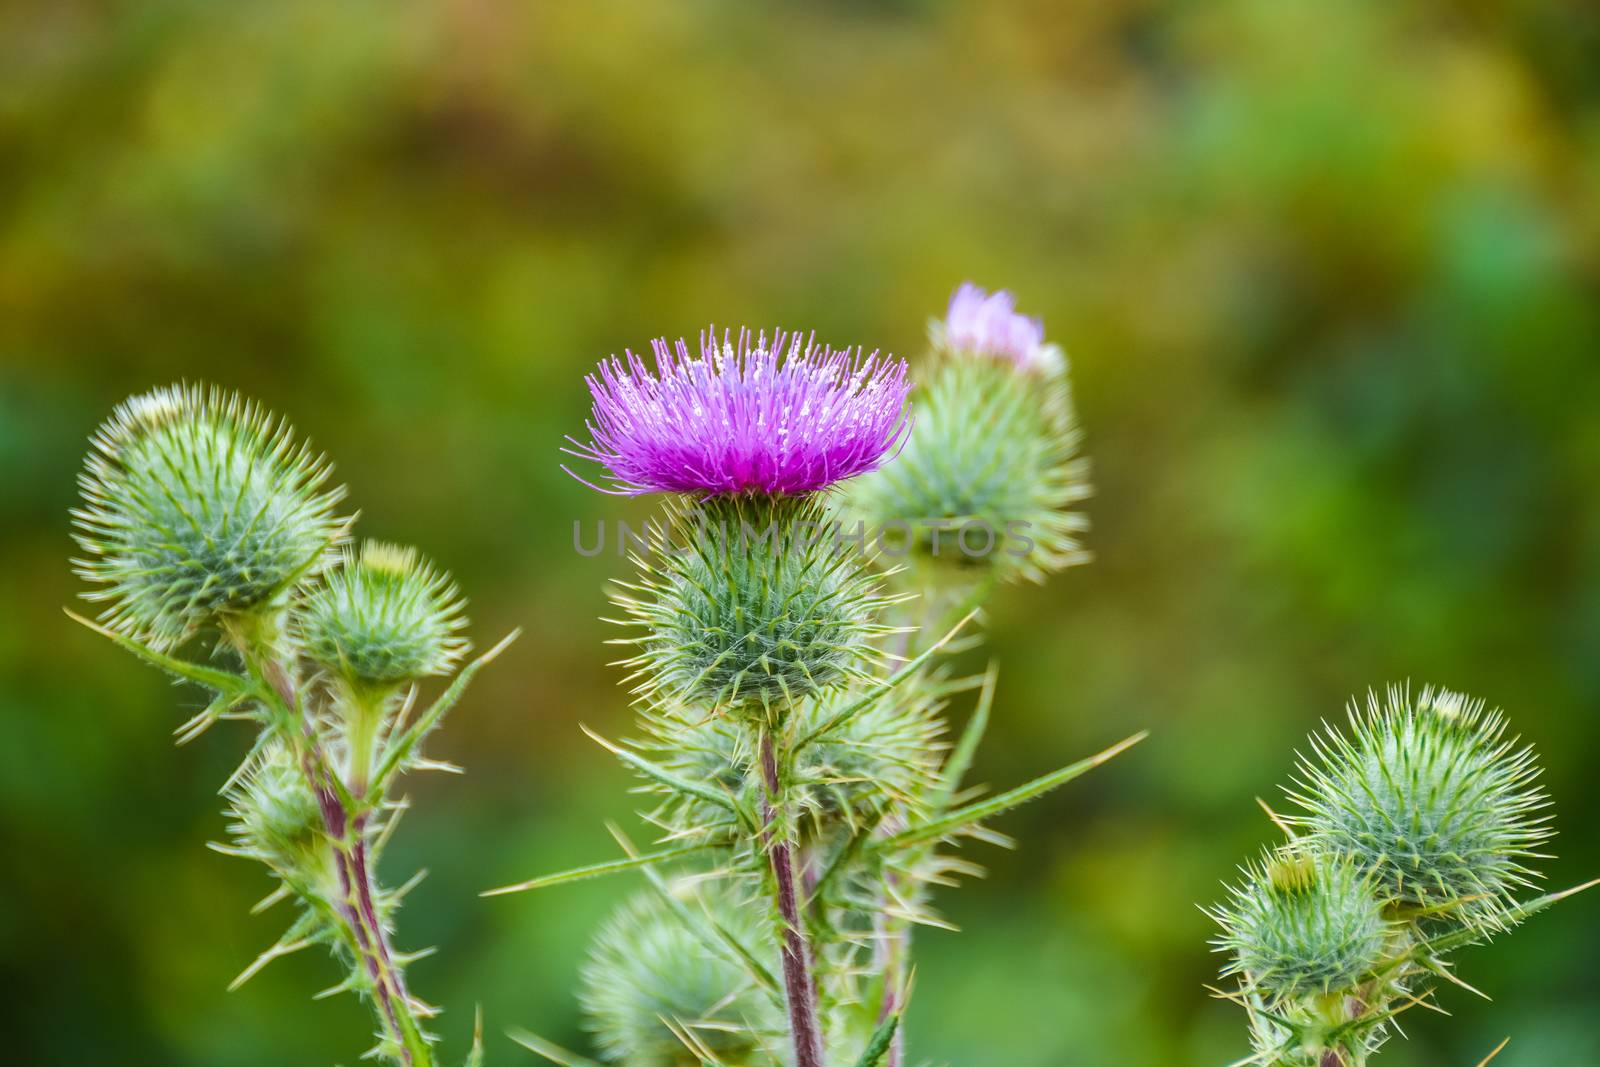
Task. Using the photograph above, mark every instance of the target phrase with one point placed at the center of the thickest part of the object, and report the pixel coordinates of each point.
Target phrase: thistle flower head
(1432, 797)
(771, 415)
(1302, 924)
(198, 505)
(988, 324)
(383, 617)
(656, 988)
(748, 605)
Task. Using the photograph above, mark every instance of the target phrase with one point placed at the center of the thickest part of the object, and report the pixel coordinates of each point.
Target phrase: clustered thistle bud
(1298, 925)
(1413, 840)
(383, 618)
(986, 481)
(198, 507)
(655, 995)
(202, 512)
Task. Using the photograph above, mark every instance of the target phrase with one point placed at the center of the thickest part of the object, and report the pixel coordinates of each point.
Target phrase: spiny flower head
(988, 324)
(1302, 924)
(760, 415)
(382, 618)
(748, 605)
(1432, 797)
(660, 984)
(198, 505)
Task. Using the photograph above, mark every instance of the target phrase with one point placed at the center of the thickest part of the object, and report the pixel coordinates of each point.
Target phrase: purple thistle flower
(988, 324)
(780, 417)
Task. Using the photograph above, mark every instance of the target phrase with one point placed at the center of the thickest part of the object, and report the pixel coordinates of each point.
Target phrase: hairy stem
(799, 983)
(347, 832)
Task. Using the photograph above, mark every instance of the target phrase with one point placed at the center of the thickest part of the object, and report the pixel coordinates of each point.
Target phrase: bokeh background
(1329, 275)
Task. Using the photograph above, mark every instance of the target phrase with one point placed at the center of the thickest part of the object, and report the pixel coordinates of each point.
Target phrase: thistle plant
(1413, 837)
(793, 683)
(205, 520)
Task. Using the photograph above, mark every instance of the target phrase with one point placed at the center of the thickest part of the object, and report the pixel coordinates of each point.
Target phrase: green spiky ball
(750, 605)
(1300, 925)
(986, 481)
(382, 618)
(650, 973)
(198, 506)
(1431, 796)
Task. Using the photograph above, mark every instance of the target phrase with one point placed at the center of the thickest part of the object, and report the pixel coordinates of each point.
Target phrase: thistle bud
(1301, 925)
(654, 983)
(276, 819)
(1432, 797)
(383, 618)
(199, 508)
(885, 755)
(987, 478)
(748, 605)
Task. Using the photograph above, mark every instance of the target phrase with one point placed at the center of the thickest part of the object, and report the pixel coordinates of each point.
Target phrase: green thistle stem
(799, 983)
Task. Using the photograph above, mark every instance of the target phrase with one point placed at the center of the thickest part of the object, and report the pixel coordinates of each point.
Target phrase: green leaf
(882, 1038)
(720, 937)
(599, 870)
(982, 809)
(475, 1057)
(672, 781)
(867, 699)
(224, 682)
(549, 1050)
(960, 758)
(1449, 942)
(401, 748)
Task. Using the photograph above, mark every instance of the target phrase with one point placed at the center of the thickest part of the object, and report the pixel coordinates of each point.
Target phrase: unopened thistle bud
(886, 755)
(662, 988)
(1432, 797)
(383, 618)
(987, 479)
(276, 819)
(1302, 925)
(199, 507)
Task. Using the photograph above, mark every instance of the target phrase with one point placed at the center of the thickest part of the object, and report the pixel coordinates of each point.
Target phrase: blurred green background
(1328, 274)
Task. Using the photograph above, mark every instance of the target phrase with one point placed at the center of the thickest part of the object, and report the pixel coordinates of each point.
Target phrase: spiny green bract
(750, 604)
(1432, 797)
(985, 481)
(886, 755)
(1301, 925)
(657, 992)
(383, 618)
(198, 505)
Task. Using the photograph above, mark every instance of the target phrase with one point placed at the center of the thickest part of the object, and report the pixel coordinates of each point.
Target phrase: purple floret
(785, 417)
(988, 324)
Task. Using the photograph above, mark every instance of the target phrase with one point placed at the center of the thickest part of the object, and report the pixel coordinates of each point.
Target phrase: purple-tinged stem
(355, 905)
(799, 983)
